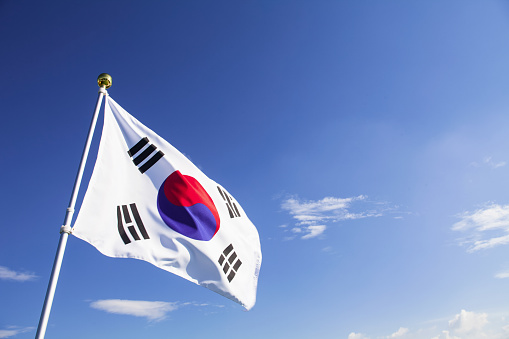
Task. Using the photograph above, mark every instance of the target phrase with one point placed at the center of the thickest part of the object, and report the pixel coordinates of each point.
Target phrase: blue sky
(366, 140)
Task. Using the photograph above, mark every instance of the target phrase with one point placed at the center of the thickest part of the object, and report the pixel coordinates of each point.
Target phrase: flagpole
(104, 81)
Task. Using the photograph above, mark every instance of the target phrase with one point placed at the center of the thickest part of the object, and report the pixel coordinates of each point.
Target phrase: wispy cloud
(14, 330)
(446, 335)
(310, 231)
(152, 310)
(489, 162)
(313, 216)
(464, 325)
(502, 275)
(354, 335)
(486, 227)
(8, 274)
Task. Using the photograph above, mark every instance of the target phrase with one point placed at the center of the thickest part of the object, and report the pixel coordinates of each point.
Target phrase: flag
(146, 200)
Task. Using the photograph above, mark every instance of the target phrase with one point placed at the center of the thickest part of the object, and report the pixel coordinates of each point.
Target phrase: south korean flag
(146, 200)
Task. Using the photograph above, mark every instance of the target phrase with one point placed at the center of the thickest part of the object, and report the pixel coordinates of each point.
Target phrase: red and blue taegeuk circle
(187, 208)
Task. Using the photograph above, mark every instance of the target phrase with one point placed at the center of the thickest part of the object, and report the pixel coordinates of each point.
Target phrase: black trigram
(124, 214)
(231, 262)
(232, 208)
(138, 157)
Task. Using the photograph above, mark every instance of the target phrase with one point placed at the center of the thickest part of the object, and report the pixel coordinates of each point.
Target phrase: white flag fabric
(146, 200)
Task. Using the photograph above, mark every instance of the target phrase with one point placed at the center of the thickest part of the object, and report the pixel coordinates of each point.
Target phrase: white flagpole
(104, 80)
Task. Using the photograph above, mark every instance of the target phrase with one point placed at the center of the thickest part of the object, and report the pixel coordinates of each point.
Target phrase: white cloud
(502, 275)
(8, 274)
(464, 325)
(467, 322)
(489, 218)
(326, 204)
(328, 208)
(488, 161)
(311, 216)
(445, 335)
(489, 243)
(152, 310)
(399, 333)
(328, 249)
(488, 227)
(314, 231)
(13, 330)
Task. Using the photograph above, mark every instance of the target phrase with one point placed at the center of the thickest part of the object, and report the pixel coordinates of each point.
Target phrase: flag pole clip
(65, 229)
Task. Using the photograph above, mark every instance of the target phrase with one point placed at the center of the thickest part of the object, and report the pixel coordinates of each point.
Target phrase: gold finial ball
(104, 80)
